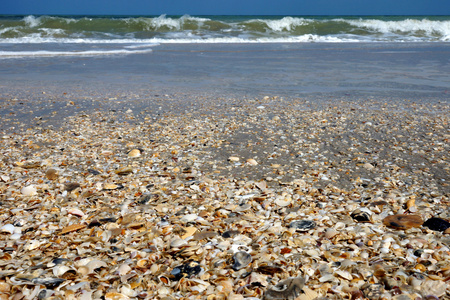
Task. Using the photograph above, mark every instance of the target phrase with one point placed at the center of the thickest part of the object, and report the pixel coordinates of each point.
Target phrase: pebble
(437, 224)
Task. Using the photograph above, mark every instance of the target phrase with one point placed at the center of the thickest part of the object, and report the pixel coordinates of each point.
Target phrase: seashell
(73, 227)
(115, 296)
(7, 228)
(91, 266)
(360, 216)
(303, 225)
(269, 270)
(60, 270)
(372, 291)
(49, 282)
(233, 158)
(51, 174)
(112, 186)
(241, 260)
(189, 218)
(434, 287)
(177, 243)
(5, 178)
(28, 190)
(403, 221)
(282, 202)
(76, 212)
(187, 270)
(71, 186)
(189, 232)
(164, 280)
(204, 235)
(437, 224)
(330, 233)
(32, 244)
(134, 153)
(251, 162)
(123, 269)
(124, 171)
(288, 289)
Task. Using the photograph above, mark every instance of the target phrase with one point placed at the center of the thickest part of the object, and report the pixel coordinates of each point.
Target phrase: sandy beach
(174, 196)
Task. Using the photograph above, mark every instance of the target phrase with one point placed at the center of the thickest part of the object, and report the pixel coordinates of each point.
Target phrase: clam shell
(134, 153)
(241, 260)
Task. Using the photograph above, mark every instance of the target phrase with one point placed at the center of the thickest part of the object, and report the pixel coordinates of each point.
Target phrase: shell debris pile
(333, 202)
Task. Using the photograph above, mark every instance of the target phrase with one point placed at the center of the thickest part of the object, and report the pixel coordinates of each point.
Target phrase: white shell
(8, 228)
(28, 190)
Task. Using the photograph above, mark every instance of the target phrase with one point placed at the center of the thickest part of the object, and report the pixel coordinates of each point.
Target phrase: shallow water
(411, 70)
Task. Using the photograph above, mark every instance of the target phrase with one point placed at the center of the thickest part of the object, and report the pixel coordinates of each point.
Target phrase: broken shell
(124, 171)
(241, 260)
(73, 227)
(252, 162)
(76, 212)
(187, 270)
(123, 269)
(28, 190)
(288, 289)
(303, 225)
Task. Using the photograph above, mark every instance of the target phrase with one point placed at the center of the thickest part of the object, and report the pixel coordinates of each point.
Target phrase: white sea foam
(405, 26)
(285, 24)
(16, 54)
(32, 21)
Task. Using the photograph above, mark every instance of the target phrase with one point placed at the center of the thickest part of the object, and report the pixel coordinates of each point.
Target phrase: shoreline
(143, 188)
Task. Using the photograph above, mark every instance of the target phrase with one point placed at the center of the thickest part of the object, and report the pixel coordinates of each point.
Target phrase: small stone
(241, 260)
(403, 221)
(51, 174)
(28, 190)
(437, 224)
(303, 225)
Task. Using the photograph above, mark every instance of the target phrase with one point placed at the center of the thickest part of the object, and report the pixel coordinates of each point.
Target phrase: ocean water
(390, 57)
(102, 35)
